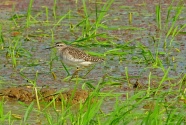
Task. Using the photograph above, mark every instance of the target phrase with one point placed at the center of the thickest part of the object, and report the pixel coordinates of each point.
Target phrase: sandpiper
(74, 56)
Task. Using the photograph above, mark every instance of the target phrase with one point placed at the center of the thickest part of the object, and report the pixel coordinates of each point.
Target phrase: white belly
(69, 60)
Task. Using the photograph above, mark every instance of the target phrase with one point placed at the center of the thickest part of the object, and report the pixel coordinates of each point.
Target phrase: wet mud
(29, 94)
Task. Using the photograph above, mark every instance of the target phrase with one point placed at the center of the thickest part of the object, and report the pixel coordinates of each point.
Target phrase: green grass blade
(28, 111)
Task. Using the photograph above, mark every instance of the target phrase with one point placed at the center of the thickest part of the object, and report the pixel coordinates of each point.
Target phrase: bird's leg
(75, 74)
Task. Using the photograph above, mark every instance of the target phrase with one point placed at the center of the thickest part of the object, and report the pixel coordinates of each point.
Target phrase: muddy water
(33, 39)
(35, 58)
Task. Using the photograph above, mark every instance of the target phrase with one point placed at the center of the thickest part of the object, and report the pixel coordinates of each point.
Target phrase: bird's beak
(50, 47)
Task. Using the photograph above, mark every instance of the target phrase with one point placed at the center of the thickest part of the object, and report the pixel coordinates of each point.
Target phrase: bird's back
(74, 56)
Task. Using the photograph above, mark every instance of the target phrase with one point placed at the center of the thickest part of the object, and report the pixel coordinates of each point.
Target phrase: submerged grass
(1, 37)
(159, 103)
(172, 26)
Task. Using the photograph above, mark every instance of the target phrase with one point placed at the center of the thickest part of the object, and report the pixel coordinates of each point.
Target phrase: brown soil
(28, 94)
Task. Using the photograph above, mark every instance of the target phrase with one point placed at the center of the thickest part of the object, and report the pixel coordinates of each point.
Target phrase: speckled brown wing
(79, 54)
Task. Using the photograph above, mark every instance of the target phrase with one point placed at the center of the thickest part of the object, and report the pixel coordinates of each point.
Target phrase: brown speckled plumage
(78, 54)
(75, 56)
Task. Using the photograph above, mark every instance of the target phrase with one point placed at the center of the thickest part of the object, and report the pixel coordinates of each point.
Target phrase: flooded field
(141, 80)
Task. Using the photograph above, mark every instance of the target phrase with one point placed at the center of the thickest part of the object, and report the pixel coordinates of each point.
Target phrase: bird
(73, 56)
